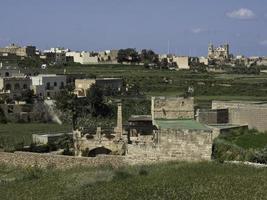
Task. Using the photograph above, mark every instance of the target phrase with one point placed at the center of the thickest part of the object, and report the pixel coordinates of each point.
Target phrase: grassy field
(23, 132)
(162, 181)
(167, 82)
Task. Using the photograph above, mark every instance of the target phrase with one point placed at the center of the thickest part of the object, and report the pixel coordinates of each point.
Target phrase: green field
(23, 132)
(162, 181)
(173, 83)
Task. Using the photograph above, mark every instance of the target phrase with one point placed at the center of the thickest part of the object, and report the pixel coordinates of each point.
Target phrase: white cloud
(242, 13)
(198, 30)
(263, 42)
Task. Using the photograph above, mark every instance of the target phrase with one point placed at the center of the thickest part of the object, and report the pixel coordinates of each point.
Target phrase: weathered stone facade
(218, 116)
(172, 108)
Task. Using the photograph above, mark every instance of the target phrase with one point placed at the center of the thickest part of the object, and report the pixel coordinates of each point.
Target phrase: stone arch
(99, 151)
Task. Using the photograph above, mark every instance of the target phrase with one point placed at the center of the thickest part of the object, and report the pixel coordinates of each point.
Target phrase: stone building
(82, 85)
(14, 86)
(172, 108)
(254, 114)
(9, 72)
(212, 116)
(48, 85)
(28, 51)
(177, 136)
(22, 112)
(93, 144)
(220, 53)
(183, 62)
(83, 58)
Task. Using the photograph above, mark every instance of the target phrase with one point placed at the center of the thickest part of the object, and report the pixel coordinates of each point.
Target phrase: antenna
(168, 47)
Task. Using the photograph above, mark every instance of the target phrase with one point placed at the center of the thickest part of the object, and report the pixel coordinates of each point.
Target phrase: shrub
(260, 156)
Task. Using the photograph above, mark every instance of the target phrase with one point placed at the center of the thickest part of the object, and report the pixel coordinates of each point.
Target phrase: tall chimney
(119, 122)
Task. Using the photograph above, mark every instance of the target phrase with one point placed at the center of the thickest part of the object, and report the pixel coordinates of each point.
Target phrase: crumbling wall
(172, 108)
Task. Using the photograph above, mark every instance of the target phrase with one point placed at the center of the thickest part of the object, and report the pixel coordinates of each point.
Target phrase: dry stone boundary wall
(26, 159)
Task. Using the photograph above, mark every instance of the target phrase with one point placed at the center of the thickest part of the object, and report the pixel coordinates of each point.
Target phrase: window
(17, 86)
(8, 87)
(55, 84)
(62, 85)
(48, 86)
(25, 86)
(7, 74)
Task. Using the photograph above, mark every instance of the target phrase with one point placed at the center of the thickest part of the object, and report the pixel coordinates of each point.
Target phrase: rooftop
(140, 118)
(188, 124)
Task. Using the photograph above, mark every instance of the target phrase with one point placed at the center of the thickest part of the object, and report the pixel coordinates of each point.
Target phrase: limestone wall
(254, 114)
(172, 108)
(171, 144)
(25, 159)
(190, 145)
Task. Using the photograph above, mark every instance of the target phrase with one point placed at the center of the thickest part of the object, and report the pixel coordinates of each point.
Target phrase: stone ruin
(175, 136)
(94, 144)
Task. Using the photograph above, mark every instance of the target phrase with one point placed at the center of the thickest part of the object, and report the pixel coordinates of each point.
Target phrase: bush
(261, 156)
(226, 151)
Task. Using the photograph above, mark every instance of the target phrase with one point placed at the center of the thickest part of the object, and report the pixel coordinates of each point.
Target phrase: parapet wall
(172, 108)
(25, 159)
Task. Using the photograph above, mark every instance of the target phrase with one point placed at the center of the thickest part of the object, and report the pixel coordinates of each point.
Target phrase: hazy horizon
(187, 25)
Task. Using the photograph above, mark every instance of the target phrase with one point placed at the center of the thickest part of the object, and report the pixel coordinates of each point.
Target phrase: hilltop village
(100, 118)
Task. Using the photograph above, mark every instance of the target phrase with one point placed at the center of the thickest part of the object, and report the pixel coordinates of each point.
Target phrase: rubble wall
(26, 159)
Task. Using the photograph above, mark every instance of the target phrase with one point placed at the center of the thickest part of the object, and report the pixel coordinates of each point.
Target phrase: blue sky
(188, 25)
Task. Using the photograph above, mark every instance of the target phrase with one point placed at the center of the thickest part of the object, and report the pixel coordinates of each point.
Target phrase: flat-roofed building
(182, 62)
(82, 85)
(14, 86)
(28, 51)
(82, 57)
(48, 85)
(252, 113)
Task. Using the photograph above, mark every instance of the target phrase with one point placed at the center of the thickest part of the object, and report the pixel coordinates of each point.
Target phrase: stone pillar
(119, 129)
(98, 133)
(77, 137)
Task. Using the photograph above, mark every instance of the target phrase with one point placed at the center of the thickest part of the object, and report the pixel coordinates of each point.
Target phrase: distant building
(82, 85)
(182, 62)
(48, 85)
(220, 53)
(203, 60)
(13, 86)
(108, 56)
(27, 51)
(83, 58)
(9, 72)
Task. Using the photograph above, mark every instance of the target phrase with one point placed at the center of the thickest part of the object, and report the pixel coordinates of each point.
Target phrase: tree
(149, 57)
(95, 97)
(128, 55)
